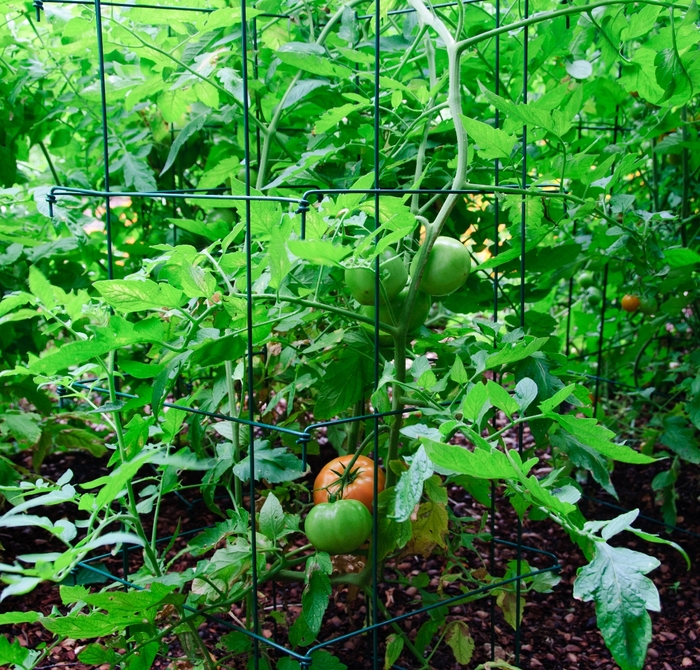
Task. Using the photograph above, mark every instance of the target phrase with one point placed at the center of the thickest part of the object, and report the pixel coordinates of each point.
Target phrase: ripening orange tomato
(630, 303)
(358, 486)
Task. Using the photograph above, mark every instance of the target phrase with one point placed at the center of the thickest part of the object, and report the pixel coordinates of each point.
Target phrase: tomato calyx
(345, 478)
(348, 477)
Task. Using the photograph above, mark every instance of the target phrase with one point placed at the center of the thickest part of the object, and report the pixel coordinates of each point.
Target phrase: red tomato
(358, 486)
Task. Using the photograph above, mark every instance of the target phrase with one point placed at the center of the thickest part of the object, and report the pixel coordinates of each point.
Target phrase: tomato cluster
(447, 269)
(341, 518)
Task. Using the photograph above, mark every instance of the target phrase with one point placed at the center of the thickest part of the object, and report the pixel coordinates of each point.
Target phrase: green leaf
(217, 351)
(615, 581)
(273, 465)
(525, 393)
(194, 126)
(672, 76)
(409, 488)
(114, 482)
(457, 373)
(641, 22)
(394, 647)
(302, 56)
(95, 655)
(319, 252)
(459, 639)
(272, 518)
(593, 435)
(24, 426)
(80, 438)
(515, 351)
(87, 627)
(332, 117)
(137, 173)
(137, 295)
(584, 457)
(316, 595)
(481, 464)
(500, 398)
(493, 142)
(341, 386)
(557, 399)
(474, 402)
(679, 256)
(679, 436)
(41, 288)
(13, 654)
(13, 618)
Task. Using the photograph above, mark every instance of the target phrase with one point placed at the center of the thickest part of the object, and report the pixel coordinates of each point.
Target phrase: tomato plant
(357, 484)
(156, 316)
(446, 269)
(339, 527)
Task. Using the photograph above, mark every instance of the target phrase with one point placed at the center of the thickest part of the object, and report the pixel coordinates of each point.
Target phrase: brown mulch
(558, 632)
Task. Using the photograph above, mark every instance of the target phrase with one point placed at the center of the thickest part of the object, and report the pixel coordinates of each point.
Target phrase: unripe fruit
(594, 296)
(392, 276)
(447, 268)
(648, 306)
(586, 279)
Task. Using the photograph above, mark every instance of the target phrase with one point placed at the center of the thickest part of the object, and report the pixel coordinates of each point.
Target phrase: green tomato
(586, 279)
(447, 268)
(594, 296)
(648, 306)
(393, 277)
(393, 314)
(225, 214)
(339, 527)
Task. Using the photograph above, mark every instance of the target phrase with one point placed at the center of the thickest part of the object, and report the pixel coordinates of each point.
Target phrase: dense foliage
(589, 164)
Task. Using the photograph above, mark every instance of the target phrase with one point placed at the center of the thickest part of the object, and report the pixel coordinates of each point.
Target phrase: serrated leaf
(492, 142)
(273, 465)
(394, 647)
(409, 488)
(341, 386)
(598, 437)
(482, 464)
(459, 639)
(134, 295)
(319, 252)
(615, 580)
(429, 529)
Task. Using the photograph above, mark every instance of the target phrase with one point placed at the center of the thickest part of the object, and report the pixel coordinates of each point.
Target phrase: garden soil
(558, 632)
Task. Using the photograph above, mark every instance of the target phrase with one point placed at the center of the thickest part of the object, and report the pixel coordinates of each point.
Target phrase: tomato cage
(260, 639)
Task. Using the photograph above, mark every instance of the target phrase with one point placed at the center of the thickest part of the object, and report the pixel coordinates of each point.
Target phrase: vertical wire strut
(685, 204)
(249, 328)
(571, 280)
(108, 210)
(375, 492)
(601, 334)
(496, 212)
(523, 212)
(105, 137)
